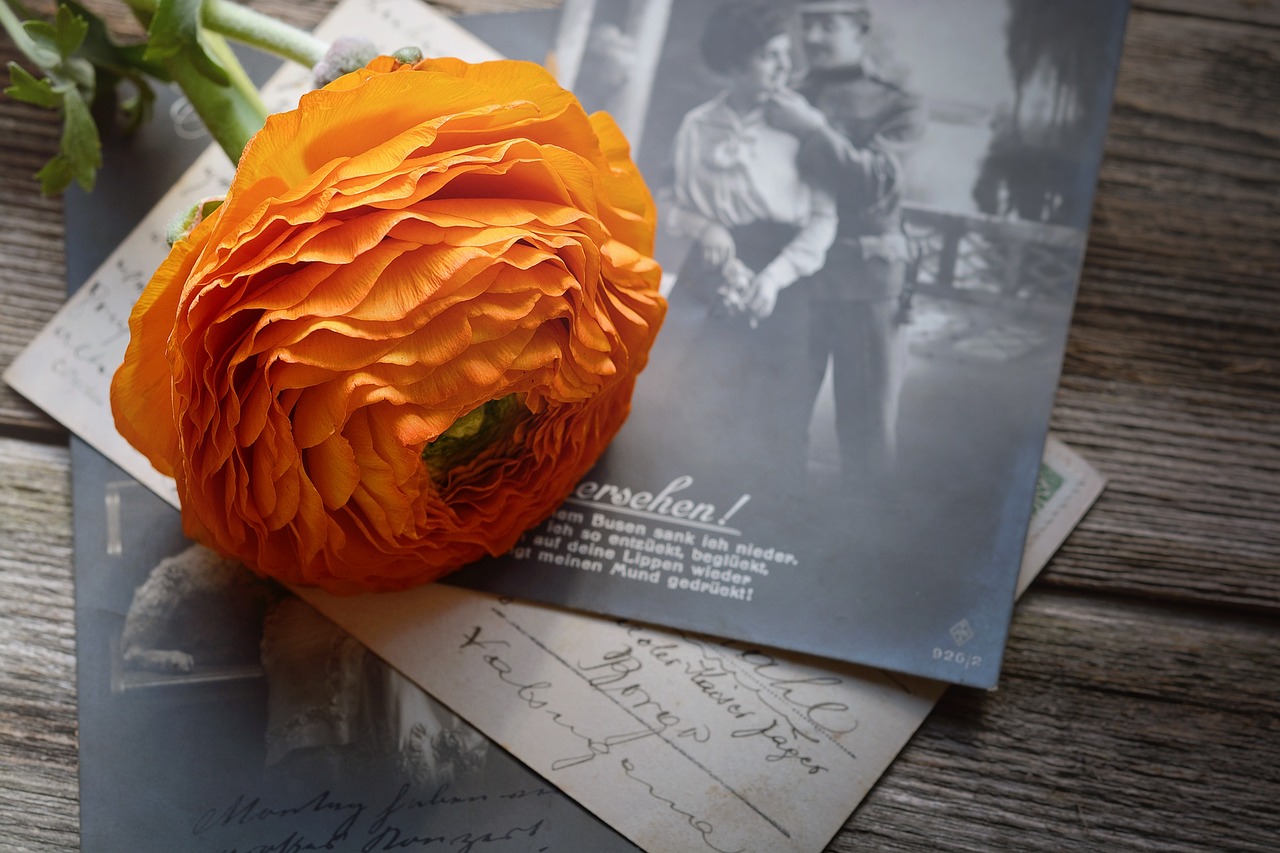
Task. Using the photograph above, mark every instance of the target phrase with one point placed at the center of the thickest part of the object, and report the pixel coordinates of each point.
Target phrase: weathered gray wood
(38, 789)
(1254, 11)
(1172, 378)
(32, 271)
(1117, 727)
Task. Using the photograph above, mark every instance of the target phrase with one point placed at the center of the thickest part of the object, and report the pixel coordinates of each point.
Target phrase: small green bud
(187, 220)
(407, 55)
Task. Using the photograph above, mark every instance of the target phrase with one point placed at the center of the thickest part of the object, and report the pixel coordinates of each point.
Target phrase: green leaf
(81, 150)
(175, 29)
(104, 52)
(56, 175)
(61, 38)
(53, 47)
(80, 142)
(117, 64)
(81, 66)
(69, 31)
(43, 34)
(25, 87)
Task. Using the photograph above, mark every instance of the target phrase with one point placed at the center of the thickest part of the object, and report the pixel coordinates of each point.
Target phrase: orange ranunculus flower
(414, 323)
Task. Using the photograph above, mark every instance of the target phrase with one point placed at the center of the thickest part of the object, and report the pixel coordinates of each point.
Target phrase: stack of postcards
(835, 480)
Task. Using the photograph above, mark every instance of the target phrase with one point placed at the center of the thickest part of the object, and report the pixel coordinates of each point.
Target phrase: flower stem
(251, 27)
(13, 26)
(263, 32)
(234, 113)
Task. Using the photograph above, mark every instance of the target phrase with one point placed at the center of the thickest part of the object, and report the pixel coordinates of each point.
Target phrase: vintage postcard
(874, 218)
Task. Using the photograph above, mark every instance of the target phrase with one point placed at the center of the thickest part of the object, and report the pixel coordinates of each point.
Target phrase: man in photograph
(855, 128)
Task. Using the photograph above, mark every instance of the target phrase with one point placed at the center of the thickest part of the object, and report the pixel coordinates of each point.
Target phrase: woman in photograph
(737, 325)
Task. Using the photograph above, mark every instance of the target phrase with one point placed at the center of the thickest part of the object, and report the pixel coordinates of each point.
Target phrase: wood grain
(33, 274)
(1139, 708)
(38, 784)
(1096, 740)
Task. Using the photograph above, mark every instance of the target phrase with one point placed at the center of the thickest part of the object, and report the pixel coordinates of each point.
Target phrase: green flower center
(488, 426)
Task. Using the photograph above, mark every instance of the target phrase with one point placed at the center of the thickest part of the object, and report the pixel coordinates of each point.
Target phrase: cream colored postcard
(678, 741)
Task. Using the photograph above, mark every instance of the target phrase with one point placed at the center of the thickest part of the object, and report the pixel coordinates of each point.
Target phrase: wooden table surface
(1140, 702)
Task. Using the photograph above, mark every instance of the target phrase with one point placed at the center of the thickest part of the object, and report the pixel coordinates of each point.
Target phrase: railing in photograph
(979, 258)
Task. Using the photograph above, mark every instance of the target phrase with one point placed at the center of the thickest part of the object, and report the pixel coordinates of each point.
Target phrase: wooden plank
(32, 267)
(1192, 160)
(1180, 67)
(1264, 12)
(39, 800)
(1116, 727)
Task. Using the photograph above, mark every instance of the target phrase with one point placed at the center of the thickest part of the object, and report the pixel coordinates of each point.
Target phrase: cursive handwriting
(804, 693)
(294, 842)
(786, 741)
(763, 685)
(615, 672)
(380, 826)
(244, 810)
(391, 838)
(611, 675)
(537, 697)
(702, 826)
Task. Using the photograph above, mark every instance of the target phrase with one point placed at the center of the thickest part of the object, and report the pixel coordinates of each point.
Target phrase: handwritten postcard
(680, 741)
(677, 741)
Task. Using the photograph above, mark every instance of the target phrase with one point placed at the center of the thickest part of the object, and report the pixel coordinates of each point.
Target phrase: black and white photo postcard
(873, 217)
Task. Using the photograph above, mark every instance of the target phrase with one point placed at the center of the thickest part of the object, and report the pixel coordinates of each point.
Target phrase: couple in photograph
(789, 192)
